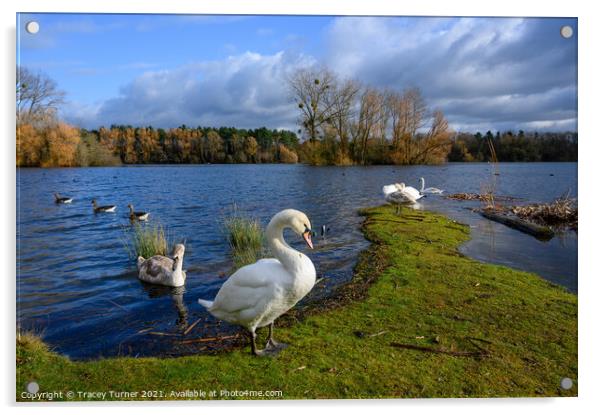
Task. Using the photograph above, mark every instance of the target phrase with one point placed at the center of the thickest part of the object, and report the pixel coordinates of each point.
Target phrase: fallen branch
(160, 333)
(482, 353)
(540, 232)
(191, 327)
(209, 339)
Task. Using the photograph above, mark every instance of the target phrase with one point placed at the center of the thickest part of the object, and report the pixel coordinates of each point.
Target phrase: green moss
(423, 293)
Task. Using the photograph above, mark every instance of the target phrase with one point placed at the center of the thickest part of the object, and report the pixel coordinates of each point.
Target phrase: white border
(589, 169)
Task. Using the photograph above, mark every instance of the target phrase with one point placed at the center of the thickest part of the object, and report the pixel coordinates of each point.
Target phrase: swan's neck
(287, 256)
(422, 184)
(178, 276)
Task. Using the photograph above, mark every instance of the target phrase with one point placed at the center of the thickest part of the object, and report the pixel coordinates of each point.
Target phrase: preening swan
(257, 294)
(409, 192)
(162, 270)
(62, 200)
(428, 189)
(398, 194)
(107, 208)
(137, 215)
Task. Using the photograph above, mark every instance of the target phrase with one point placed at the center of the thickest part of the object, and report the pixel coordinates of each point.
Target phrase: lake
(78, 288)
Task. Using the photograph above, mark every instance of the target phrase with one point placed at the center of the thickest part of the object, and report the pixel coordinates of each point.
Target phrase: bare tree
(310, 88)
(38, 96)
(369, 121)
(341, 99)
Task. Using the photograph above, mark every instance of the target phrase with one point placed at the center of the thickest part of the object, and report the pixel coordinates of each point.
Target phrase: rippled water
(78, 287)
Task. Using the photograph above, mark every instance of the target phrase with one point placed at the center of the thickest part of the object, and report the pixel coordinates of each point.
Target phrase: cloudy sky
(484, 73)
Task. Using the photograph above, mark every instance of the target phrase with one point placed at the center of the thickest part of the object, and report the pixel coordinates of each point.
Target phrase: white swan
(428, 189)
(162, 270)
(409, 192)
(397, 194)
(257, 294)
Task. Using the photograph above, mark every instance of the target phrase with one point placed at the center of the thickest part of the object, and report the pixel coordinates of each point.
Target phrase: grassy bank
(513, 333)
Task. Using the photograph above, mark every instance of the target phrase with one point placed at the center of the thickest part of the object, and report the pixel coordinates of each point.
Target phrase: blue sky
(166, 70)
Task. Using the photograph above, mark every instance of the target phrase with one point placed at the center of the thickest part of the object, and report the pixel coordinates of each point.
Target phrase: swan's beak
(307, 239)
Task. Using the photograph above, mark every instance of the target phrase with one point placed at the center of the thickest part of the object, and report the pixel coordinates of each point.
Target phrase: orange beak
(307, 239)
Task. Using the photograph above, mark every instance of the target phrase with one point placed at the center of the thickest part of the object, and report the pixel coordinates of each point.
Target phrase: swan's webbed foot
(272, 347)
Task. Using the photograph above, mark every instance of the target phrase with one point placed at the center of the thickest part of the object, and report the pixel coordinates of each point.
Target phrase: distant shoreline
(291, 164)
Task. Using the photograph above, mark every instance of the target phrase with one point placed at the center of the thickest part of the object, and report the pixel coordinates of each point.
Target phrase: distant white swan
(162, 270)
(257, 294)
(428, 189)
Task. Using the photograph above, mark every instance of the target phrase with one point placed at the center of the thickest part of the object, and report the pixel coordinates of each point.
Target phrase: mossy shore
(420, 320)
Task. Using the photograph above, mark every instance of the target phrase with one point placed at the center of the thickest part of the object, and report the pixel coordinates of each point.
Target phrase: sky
(493, 74)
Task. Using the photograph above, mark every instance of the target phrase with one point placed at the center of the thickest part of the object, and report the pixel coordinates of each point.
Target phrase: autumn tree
(368, 123)
(250, 148)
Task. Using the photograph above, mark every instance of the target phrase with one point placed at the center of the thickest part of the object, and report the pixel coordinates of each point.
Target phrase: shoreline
(344, 346)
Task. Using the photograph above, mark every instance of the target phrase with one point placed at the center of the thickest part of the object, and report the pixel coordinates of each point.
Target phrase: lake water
(77, 286)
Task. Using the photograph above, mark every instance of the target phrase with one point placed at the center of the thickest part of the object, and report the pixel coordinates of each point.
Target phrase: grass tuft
(146, 240)
(246, 238)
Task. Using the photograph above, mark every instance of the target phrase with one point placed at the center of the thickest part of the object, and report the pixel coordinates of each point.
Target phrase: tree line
(511, 146)
(341, 122)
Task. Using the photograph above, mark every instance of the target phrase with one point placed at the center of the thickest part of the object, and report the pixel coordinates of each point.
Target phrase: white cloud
(247, 91)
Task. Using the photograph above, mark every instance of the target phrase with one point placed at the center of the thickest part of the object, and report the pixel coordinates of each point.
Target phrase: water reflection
(177, 296)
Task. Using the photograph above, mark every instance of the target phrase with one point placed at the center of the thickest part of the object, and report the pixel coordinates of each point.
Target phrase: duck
(62, 200)
(257, 294)
(162, 270)
(428, 189)
(137, 215)
(324, 230)
(98, 209)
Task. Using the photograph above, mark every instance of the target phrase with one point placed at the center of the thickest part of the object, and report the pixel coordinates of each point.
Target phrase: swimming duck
(162, 270)
(98, 209)
(259, 293)
(137, 215)
(63, 200)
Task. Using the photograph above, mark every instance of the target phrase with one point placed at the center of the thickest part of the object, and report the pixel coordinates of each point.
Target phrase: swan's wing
(388, 189)
(412, 192)
(250, 287)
